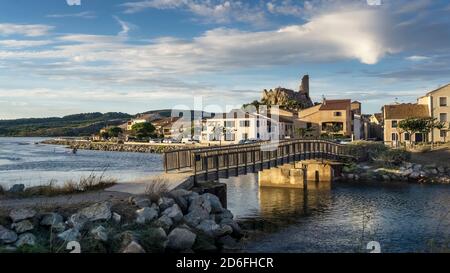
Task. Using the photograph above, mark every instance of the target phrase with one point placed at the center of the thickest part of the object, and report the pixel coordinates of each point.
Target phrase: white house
(237, 125)
(133, 122)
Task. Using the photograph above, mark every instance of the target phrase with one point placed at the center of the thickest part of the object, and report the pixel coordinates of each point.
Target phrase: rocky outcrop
(408, 172)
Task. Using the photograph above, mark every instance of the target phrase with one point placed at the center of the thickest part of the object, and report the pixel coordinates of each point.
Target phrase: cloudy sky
(61, 57)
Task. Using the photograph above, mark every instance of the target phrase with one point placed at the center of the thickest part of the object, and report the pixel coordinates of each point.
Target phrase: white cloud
(416, 58)
(286, 7)
(126, 27)
(73, 2)
(26, 30)
(84, 14)
(17, 44)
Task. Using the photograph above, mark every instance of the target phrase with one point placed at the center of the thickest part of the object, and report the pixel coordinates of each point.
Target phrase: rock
(70, 235)
(386, 177)
(357, 177)
(77, 221)
(350, 176)
(22, 226)
(146, 215)
(434, 171)
(407, 172)
(174, 212)
(51, 219)
(100, 233)
(408, 165)
(204, 243)
(181, 197)
(228, 243)
(99, 211)
(126, 238)
(165, 202)
(210, 228)
(116, 217)
(26, 239)
(417, 167)
(17, 188)
(216, 205)
(441, 169)
(226, 214)
(196, 216)
(7, 236)
(164, 222)
(142, 202)
(154, 240)
(200, 202)
(237, 231)
(414, 175)
(133, 247)
(22, 214)
(181, 239)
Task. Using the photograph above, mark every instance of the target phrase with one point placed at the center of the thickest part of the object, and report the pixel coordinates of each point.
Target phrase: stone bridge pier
(311, 174)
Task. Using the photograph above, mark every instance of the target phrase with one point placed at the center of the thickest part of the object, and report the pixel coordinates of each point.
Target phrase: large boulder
(165, 202)
(51, 219)
(216, 205)
(200, 202)
(181, 239)
(99, 211)
(100, 233)
(154, 240)
(146, 215)
(237, 231)
(22, 214)
(70, 235)
(225, 214)
(17, 188)
(26, 239)
(210, 228)
(22, 226)
(7, 236)
(141, 202)
(181, 197)
(196, 216)
(164, 222)
(174, 212)
(133, 247)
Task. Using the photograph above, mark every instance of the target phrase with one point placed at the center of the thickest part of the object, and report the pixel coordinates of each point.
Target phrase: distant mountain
(73, 125)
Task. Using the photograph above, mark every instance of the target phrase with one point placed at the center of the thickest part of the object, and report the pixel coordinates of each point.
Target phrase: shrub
(157, 187)
(394, 156)
(368, 150)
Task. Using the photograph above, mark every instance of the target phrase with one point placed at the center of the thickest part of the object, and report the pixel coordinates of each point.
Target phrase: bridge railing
(225, 157)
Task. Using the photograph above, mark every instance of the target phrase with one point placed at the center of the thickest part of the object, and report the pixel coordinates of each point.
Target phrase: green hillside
(73, 125)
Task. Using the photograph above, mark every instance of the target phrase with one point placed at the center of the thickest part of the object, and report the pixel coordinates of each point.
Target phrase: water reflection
(341, 217)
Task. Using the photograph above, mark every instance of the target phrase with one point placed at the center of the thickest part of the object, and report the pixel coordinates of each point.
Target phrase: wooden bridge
(214, 162)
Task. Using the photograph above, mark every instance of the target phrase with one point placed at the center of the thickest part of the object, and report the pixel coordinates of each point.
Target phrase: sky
(60, 57)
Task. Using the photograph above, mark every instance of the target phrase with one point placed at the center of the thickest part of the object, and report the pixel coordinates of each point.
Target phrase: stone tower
(304, 87)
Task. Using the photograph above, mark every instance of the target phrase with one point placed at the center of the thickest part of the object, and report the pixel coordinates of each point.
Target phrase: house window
(229, 124)
(244, 123)
(394, 124)
(258, 135)
(308, 125)
(443, 101)
(394, 137)
(229, 137)
(245, 136)
(257, 123)
(443, 117)
(407, 137)
(443, 133)
(337, 114)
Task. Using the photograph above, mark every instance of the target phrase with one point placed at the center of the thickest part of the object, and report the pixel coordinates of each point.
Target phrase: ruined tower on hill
(289, 99)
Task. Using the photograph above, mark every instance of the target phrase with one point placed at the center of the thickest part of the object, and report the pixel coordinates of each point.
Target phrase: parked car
(170, 141)
(156, 140)
(187, 140)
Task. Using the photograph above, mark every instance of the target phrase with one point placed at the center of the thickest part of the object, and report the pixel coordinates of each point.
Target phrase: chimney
(304, 87)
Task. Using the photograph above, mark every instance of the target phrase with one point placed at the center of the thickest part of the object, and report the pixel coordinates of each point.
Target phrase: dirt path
(440, 157)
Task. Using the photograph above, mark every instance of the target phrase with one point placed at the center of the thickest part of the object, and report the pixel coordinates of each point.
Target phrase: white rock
(116, 217)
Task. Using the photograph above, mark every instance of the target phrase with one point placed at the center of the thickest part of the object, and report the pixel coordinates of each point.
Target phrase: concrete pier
(311, 174)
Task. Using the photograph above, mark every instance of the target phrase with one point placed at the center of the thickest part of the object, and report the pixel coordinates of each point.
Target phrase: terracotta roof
(335, 105)
(406, 110)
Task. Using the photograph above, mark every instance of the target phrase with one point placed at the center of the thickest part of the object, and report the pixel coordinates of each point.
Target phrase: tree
(114, 131)
(253, 103)
(433, 123)
(412, 126)
(303, 132)
(143, 130)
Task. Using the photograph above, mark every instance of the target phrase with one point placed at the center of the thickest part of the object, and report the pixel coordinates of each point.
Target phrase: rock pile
(182, 221)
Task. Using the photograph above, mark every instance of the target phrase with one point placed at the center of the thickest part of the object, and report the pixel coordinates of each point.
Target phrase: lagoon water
(401, 217)
(22, 161)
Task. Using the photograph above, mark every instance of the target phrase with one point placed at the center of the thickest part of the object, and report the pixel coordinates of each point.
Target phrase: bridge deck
(214, 162)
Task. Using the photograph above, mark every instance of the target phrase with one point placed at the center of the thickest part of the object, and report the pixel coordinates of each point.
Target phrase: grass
(157, 187)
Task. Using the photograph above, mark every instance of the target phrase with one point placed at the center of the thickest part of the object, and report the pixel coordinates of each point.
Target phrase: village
(284, 114)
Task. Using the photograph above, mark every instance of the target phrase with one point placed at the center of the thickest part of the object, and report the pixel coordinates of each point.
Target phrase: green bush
(368, 150)
(394, 156)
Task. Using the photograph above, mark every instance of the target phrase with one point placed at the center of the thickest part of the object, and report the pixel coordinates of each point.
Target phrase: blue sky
(133, 56)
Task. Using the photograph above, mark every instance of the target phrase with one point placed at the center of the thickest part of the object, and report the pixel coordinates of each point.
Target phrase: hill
(72, 125)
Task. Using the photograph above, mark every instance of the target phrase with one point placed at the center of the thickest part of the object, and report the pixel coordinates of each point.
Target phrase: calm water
(22, 161)
(401, 217)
